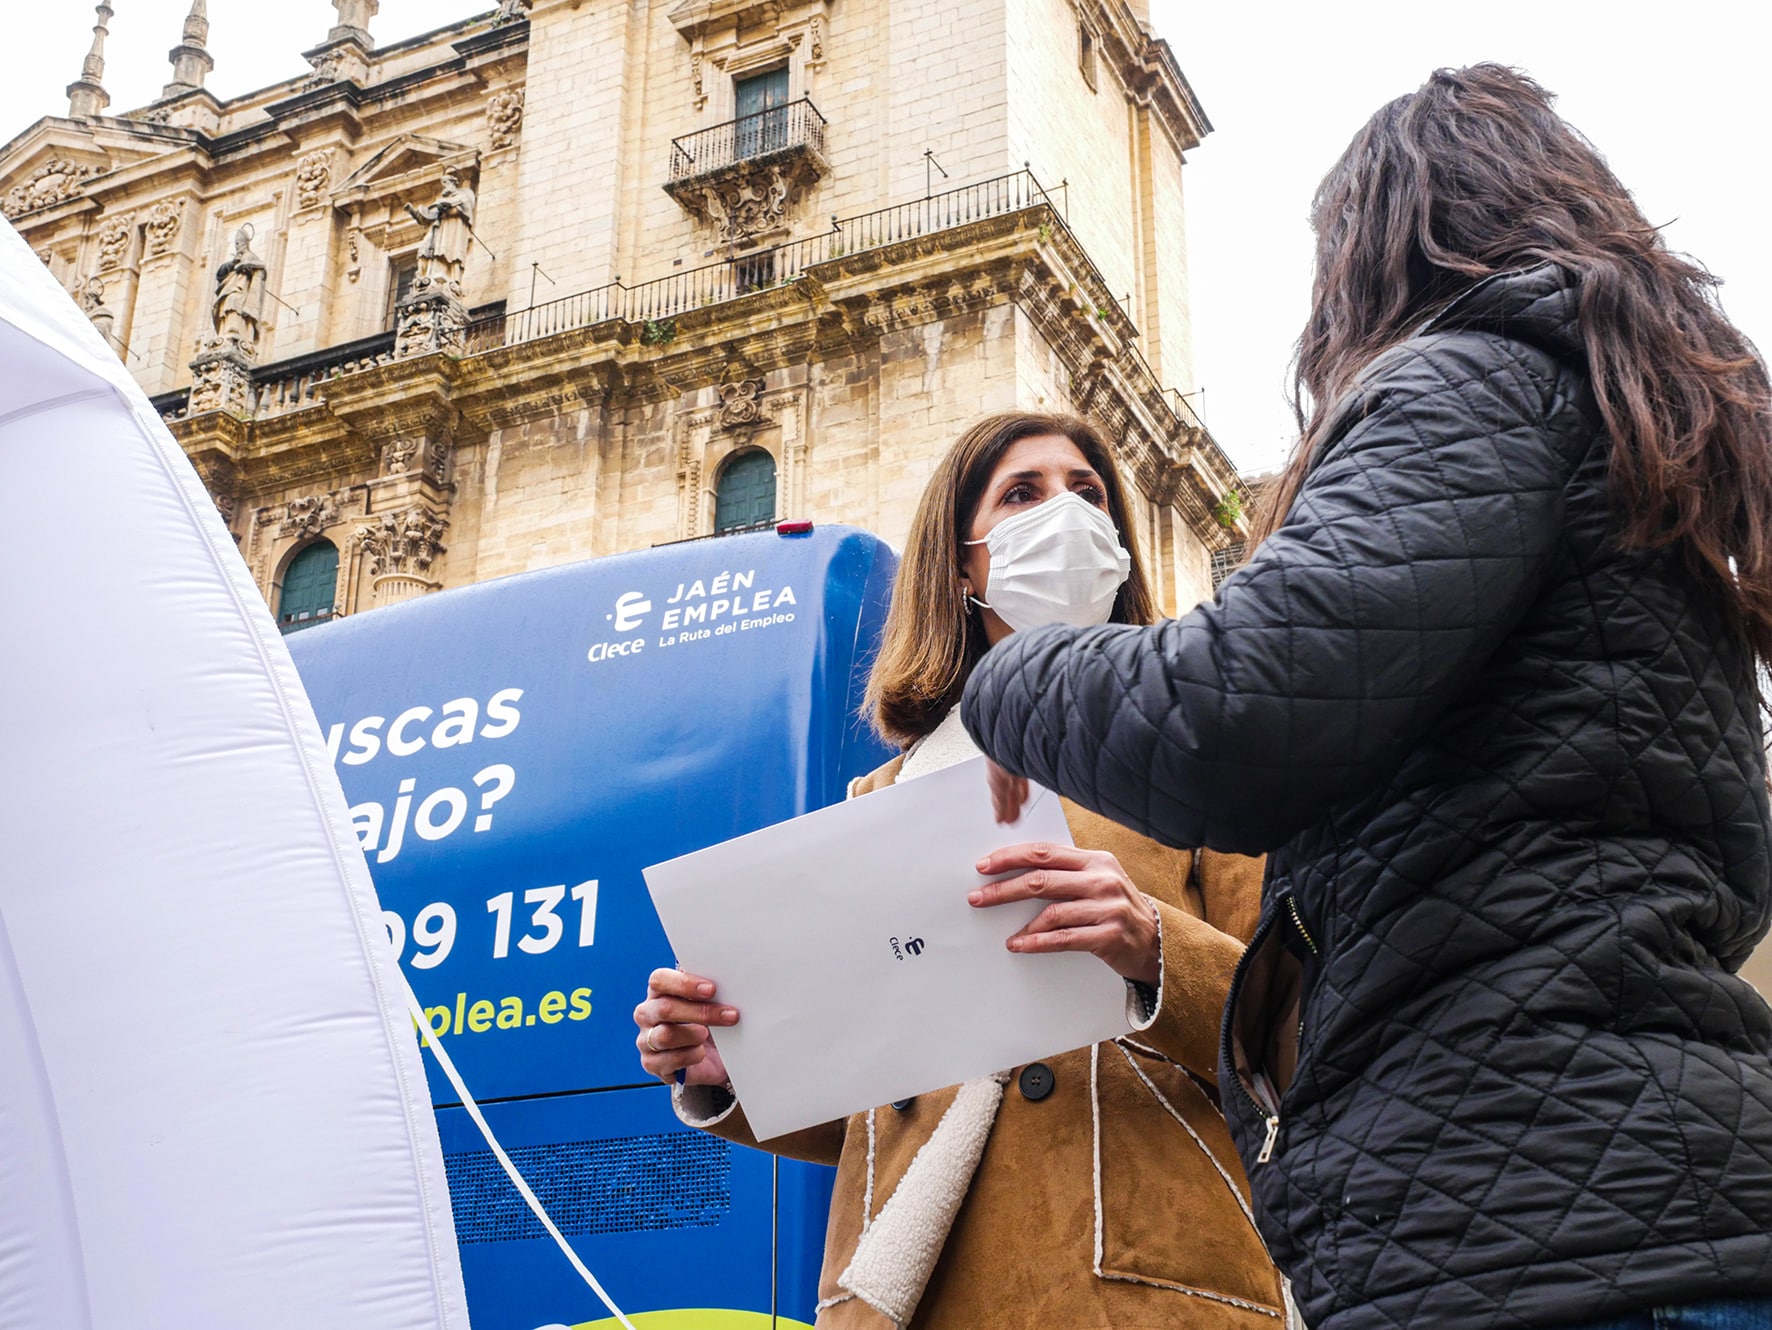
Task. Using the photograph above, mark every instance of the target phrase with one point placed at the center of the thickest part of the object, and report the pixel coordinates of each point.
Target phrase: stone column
(400, 547)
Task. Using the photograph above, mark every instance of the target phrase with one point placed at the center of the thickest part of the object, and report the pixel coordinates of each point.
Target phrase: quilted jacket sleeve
(1416, 543)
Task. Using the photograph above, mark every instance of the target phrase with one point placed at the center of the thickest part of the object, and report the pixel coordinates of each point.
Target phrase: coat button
(902, 1104)
(1036, 1081)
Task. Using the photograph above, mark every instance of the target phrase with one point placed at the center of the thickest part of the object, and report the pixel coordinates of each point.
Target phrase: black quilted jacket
(1512, 783)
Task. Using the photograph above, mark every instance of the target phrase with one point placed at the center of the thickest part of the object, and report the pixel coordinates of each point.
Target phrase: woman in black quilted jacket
(1486, 693)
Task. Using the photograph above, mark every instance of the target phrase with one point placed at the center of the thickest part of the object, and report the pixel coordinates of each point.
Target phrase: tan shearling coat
(1117, 1200)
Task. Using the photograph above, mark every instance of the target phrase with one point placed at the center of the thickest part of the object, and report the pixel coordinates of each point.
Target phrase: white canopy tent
(212, 1109)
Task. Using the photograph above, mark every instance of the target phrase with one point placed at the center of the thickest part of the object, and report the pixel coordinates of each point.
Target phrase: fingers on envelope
(667, 1062)
(658, 1039)
(1037, 854)
(1041, 884)
(676, 983)
(662, 1011)
(1059, 926)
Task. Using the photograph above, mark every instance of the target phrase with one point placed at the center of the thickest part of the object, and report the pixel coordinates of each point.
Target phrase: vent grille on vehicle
(626, 1184)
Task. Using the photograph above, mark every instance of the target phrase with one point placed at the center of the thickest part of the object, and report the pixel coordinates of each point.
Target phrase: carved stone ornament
(749, 200)
(816, 52)
(701, 96)
(437, 458)
(227, 505)
(398, 455)
(741, 405)
(162, 227)
(55, 180)
(47, 256)
(433, 321)
(511, 11)
(221, 380)
(327, 67)
(504, 117)
(309, 515)
(403, 542)
(313, 174)
(113, 244)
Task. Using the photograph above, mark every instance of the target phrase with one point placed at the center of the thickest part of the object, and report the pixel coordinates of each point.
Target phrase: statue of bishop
(239, 294)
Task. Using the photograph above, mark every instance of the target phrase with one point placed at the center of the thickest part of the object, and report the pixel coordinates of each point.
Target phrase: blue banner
(514, 754)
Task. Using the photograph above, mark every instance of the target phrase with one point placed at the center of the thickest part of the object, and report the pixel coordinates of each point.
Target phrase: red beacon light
(803, 527)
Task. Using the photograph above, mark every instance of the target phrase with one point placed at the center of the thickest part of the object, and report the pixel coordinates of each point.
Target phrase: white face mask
(1058, 562)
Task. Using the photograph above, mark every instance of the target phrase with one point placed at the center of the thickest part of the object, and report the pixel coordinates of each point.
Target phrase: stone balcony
(391, 423)
(744, 176)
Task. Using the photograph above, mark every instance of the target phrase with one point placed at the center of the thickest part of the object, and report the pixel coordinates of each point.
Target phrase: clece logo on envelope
(913, 945)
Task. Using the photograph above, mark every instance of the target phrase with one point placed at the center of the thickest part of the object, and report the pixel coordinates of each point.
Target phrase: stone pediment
(693, 18)
(55, 159)
(47, 169)
(405, 166)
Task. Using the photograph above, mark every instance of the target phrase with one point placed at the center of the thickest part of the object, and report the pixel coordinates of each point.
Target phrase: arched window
(745, 496)
(310, 583)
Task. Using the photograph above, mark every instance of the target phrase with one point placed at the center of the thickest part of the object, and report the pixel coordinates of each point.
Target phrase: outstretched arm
(1413, 548)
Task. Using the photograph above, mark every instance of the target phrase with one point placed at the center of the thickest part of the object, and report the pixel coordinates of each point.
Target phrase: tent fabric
(213, 1110)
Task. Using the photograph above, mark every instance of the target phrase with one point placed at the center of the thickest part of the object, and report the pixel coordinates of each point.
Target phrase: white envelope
(860, 972)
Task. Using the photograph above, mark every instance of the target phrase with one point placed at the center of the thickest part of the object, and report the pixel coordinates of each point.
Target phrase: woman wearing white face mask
(1048, 1194)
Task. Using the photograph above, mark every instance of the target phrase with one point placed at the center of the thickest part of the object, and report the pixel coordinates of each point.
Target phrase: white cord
(467, 1101)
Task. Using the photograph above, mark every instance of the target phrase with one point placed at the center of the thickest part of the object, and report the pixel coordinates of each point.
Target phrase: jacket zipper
(1303, 932)
(1262, 1097)
(1269, 1113)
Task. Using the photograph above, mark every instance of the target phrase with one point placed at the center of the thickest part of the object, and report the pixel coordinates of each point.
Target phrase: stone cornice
(1147, 67)
(1028, 258)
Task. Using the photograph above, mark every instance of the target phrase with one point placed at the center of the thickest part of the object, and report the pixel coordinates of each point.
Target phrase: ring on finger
(651, 1047)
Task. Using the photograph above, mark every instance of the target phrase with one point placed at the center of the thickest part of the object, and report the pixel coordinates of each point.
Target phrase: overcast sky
(1674, 95)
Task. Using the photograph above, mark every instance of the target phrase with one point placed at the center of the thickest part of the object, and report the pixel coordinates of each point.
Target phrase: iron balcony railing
(655, 304)
(794, 125)
(582, 310)
(665, 297)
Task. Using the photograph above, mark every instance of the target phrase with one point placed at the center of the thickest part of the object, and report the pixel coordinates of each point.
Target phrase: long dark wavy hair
(1475, 174)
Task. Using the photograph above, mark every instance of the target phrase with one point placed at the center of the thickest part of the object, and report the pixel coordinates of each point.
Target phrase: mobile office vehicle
(514, 754)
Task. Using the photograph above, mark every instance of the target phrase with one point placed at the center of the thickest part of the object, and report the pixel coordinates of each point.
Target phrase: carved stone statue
(239, 294)
(92, 303)
(443, 257)
(511, 11)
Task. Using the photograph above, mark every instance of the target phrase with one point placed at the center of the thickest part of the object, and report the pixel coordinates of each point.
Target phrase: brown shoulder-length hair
(932, 637)
(1475, 174)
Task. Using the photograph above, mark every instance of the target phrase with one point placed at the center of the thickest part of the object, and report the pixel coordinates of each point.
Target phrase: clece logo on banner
(696, 611)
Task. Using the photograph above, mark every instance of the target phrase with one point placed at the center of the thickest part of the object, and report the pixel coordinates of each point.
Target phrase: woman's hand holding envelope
(676, 1028)
(1094, 906)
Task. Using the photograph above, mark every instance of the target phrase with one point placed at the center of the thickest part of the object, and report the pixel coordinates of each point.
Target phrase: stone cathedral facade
(572, 278)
